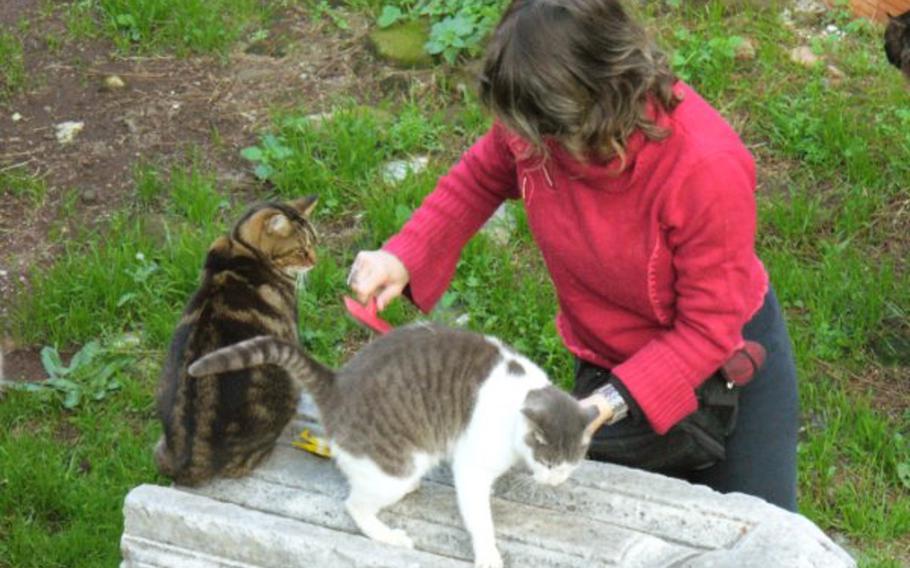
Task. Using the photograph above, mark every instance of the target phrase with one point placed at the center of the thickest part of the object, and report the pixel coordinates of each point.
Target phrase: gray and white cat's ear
(278, 225)
(535, 406)
(534, 413)
(305, 205)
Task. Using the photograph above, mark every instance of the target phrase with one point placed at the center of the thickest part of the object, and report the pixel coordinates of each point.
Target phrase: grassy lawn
(187, 26)
(834, 159)
(12, 69)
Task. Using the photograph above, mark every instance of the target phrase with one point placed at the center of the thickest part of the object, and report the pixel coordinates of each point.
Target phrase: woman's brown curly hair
(577, 71)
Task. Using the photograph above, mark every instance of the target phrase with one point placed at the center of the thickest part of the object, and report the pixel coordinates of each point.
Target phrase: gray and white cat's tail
(306, 372)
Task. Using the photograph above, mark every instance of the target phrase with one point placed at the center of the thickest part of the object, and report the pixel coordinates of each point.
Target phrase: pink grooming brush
(367, 315)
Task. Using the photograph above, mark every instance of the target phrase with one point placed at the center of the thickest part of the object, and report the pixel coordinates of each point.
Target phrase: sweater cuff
(661, 385)
(422, 290)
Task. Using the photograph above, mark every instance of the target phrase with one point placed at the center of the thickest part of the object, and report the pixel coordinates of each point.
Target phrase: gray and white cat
(423, 394)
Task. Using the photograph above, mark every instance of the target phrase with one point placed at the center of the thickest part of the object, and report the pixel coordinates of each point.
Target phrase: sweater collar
(610, 175)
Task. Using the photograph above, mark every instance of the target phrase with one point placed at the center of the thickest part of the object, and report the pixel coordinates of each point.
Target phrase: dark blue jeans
(761, 451)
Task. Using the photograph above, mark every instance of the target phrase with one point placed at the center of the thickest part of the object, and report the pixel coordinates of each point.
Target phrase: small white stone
(114, 82)
(835, 73)
(499, 226)
(397, 170)
(745, 51)
(67, 131)
(803, 55)
(318, 118)
(786, 17)
(126, 341)
(16, 117)
(809, 7)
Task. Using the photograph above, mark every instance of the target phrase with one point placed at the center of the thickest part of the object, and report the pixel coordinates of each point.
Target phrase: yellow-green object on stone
(309, 442)
(403, 44)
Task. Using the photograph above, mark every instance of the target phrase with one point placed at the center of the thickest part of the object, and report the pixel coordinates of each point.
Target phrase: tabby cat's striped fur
(225, 424)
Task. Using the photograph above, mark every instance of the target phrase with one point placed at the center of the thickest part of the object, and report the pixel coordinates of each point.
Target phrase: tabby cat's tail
(268, 350)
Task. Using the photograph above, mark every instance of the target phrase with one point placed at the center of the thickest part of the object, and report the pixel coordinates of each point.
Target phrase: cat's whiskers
(300, 276)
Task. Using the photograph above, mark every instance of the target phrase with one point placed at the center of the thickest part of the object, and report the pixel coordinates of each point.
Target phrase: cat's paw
(489, 558)
(397, 537)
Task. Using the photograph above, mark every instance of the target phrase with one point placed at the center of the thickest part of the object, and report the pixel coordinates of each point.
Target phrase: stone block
(289, 513)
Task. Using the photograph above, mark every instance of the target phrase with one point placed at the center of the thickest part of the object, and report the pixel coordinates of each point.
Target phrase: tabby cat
(897, 42)
(421, 394)
(225, 425)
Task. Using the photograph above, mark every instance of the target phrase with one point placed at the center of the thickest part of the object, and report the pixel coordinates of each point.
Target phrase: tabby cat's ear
(305, 205)
(278, 225)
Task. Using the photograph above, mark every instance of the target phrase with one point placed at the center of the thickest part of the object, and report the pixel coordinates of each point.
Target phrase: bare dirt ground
(167, 108)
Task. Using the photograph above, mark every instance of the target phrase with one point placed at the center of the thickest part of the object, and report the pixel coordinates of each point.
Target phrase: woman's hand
(377, 273)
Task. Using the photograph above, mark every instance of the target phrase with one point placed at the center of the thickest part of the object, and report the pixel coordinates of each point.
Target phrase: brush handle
(367, 315)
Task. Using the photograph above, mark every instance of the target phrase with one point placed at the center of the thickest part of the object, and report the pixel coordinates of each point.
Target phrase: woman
(641, 199)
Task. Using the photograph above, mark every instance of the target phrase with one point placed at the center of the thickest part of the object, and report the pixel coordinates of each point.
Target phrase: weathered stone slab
(290, 512)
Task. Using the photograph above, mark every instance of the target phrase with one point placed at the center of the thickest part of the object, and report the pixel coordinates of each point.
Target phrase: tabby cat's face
(557, 438)
(283, 234)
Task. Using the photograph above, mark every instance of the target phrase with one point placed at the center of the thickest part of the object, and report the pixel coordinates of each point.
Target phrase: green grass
(181, 26)
(133, 274)
(63, 475)
(833, 220)
(12, 65)
(17, 183)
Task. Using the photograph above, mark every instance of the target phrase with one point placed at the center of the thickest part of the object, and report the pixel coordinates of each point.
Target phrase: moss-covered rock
(402, 44)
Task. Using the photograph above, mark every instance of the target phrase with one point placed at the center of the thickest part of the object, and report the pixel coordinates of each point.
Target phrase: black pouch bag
(697, 442)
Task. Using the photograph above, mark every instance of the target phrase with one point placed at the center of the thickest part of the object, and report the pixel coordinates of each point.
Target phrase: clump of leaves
(93, 373)
(458, 26)
(695, 54)
(325, 10)
(267, 155)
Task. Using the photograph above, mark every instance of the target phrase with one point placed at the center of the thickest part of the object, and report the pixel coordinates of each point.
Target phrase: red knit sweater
(654, 267)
